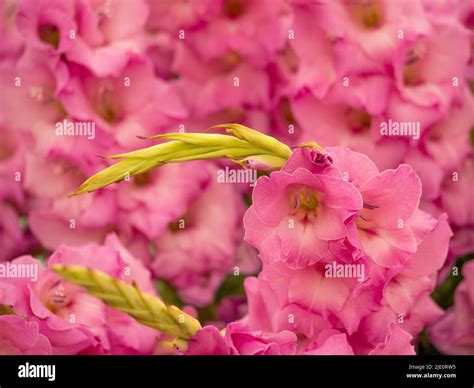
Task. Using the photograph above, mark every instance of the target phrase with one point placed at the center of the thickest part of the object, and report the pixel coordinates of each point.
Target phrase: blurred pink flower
(306, 62)
(199, 248)
(348, 126)
(12, 164)
(462, 242)
(132, 103)
(15, 238)
(425, 74)
(18, 336)
(56, 219)
(176, 185)
(255, 30)
(231, 308)
(34, 81)
(454, 332)
(456, 195)
(222, 83)
(374, 25)
(99, 35)
(12, 42)
(182, 15)
(47, 25)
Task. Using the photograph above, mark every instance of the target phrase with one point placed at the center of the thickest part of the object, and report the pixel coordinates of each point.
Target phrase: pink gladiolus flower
(231, 308)
(55, 305)
(455, 195)
(74, 321)
(244, 341)
(15, 239)
(390, 200)
(182, 15)
(329, 342)
(34, 80)
(176, 186)
(132, 103)
(56, 219)
(389, 242)
(307, 61)
(100, 36)
(349, 126)
(220, 82)
(372, 25)
(255, 30)
(18, 336)
(12, 42)
(199, 247)
(296, 214)
(47, 27)
(208, 341)
(238, 339)
(12, 164)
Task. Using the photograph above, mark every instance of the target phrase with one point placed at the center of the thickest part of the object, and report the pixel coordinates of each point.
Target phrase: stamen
(305, 201)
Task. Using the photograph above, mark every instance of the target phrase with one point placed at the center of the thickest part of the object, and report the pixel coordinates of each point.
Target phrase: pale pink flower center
(106, 105)
(358, 120)
(305, 203)
(57, 297)
(412, 73)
